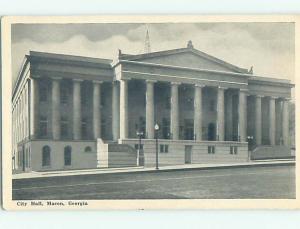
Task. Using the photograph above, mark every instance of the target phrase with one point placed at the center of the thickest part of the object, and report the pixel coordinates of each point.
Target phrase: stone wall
(176, 154)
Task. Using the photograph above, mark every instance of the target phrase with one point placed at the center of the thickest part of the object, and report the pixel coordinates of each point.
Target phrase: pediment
(190, 59)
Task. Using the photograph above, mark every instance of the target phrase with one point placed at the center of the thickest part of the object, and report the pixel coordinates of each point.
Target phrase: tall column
(150, 109)
(198, 112)
(76, 109)
(174, 111)
(115, 111)
(272, 120)
(96, 109)
(229, 118)
(34, 107)
(56, 108)
(258, 118)
(285, 122)
(220, 115)
(243, 115)
(123, 109)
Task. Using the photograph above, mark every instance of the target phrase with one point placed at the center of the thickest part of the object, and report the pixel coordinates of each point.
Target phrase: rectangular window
(168, 103)
(102, 98)
(43, 127)
(190, 103)
(43, 93)
(84, 95)
(64, 95)
(233, 150)
(64, 127)
(211, 149)
(164, 148)
(84, 128)
(212, 105)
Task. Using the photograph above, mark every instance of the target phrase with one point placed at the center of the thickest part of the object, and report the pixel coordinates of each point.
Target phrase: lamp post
(156, 128)
(139, 134)
(249, 138)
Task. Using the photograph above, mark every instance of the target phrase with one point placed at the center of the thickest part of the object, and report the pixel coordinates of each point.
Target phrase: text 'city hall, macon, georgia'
(72, 112)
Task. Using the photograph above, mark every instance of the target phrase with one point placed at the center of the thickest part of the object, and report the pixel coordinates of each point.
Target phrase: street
(230, 183)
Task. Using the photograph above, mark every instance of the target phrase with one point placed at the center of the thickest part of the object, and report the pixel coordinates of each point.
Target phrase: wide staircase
(117, 155)
(271, 152)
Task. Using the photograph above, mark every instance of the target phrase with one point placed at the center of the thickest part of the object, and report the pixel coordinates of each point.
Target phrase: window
(43, 93)
(102, 98)
(43, 127)
(68, 155)
(46, 156)
(84, 93)
(211, 149)
(103, 126)
(168, 102)
(64, 127)
(212, 105)
(233, 150)
(136, 146)
(88, 149)
(189, 103)
(64, 92)
(166, 128)
(164, 148)
(83, 128)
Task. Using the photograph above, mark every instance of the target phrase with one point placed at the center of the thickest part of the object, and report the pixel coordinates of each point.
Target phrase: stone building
(72, 112)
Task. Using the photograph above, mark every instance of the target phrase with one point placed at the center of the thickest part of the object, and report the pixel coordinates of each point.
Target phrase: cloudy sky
(269, 47)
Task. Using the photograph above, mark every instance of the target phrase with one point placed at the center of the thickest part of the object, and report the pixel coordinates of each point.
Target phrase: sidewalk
(150, 169)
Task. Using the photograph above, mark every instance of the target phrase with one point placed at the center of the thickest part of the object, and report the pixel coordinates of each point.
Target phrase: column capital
(125, 79)
(97, 82)
(175, 83)
(77, 80)
(56, 78)
(244, 90)
(273, 97)
(222, 88)
(199, 85)
(259, 96)
(286, 99)
(151, 81)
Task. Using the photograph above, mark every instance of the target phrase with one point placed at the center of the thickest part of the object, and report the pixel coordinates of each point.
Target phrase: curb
(164, 169)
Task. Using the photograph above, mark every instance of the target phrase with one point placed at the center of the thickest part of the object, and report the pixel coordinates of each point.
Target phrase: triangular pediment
(189, 58)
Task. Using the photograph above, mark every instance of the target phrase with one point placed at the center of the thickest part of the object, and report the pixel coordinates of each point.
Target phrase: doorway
(211, 135)
(188, 155)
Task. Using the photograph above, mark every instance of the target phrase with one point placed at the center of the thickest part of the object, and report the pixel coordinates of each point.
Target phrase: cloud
(269, 47)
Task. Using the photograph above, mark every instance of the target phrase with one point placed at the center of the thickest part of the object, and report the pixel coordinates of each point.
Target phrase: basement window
(211, 149)
(233, 150)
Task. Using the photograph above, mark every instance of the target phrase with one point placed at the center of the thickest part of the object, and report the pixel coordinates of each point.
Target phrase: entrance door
(188, 155)
(211, 135)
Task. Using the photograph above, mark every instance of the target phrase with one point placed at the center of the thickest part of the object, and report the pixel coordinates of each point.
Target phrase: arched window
(68, 155)
(88, 149)
(46, 156)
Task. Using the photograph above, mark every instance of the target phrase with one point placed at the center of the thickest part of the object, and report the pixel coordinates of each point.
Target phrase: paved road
(257, 182)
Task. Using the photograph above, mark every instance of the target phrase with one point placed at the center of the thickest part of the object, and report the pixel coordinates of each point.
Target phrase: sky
(268, 47)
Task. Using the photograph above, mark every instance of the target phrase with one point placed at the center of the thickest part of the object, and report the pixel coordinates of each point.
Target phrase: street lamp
(249, 139)
(156, 128)
(140, 135)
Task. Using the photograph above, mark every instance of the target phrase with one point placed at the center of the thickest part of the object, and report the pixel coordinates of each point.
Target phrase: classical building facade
(72, 112)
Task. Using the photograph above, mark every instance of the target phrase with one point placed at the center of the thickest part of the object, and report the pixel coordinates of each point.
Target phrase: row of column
(120, 112)
(56, 114)
(272, 120)
(174, 113)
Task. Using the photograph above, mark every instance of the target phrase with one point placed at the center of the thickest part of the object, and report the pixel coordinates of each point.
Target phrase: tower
(147, 43)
